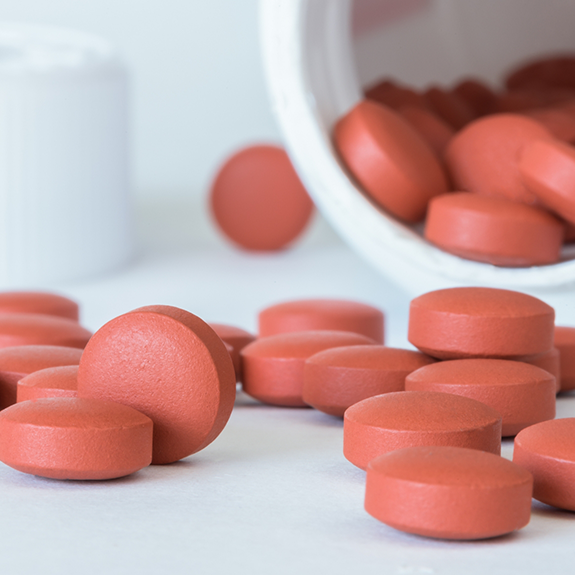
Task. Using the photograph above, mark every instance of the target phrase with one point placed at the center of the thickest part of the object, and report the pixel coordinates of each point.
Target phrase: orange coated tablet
(17, 362)
(551, 71)
(393, 95)
(548, 170)
(550, 361)
(435, 131)
(49, 382)
(450, 107)
(477, 95)
(565, 343)
(38, 329)
(390, 160)
(273, 366)
(493, 230)
(392, 421)
(484, 156)
(480, 322)
(523, 394)
(71, 438)
(559, 122)
(448, 492)
(168, 364)
(322, 314)
(38, 302)
(335, 379)
(258, 200)
(237, 339)
(547, 450)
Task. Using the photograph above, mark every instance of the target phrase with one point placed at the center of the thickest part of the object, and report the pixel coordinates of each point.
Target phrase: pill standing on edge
(17, 362)
(484, 156)
(448, 492)
(71, 438)
(237, 339)
(389, 159)
(273, 366)
(322, 314)
(171, 366)
(547, 450)
(49, 382)
(522, 394)
(335, 379)
(565, 343)
(392, 421)
(38, 302)
(464, 322)
(493, 230)
(258, 200)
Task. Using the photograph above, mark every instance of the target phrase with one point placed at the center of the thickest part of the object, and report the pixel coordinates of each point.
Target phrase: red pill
(523, 394)
(335, 379)
(484, 156)
(171, 366)
(322, 314)
(49, 382)
(71, 438)
(237, 339)
(559, 122)
(547, 450)
(435, 131)
(392, 421)
(17, 362)
(477, 95)
(556, 71)
(258, 200)
(548, 170)
(274, 366)
(550, 361)
(391, 94)
(448, 492)
(38, 302)
(493, 230)
(565, 343)
(450, 107)
(480, 322)
(389, 159)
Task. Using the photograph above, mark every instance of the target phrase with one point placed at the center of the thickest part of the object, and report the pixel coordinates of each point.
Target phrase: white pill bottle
(319, 54)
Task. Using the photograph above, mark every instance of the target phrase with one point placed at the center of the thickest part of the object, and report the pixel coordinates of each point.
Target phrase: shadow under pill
(543, 510)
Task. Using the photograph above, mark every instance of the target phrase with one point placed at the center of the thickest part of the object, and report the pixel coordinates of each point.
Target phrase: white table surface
(273, 494)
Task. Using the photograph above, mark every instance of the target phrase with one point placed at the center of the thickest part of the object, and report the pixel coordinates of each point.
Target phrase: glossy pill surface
(390, 160)
(522, 394)
(448, 492)
(322, 314)
(274, 365)
(547, 450)
(258, 200)
(49, 382)
(493, 230)
(38, 302)
(406, 418)
(171, 366)
(71, 438)
(565, 343)
(337, 378)
(480, 322)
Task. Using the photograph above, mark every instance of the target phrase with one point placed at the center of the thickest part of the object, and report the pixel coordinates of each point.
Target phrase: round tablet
(49, 382)
(17, 362)
(335, 379)
(477, 95)
(391, 94)
(480, 322)
(547, 450)
(522, 394)
(273, 366)
(171, 366)
(484, 156)
(237, 339)
(565, 343)
(258, 201)
(38, 302)
(448, 492)
(391, 421)
(559, 122)
(389, 159)
(435, 131)
(449, 106)
(548, 170)
(493, 230)
(322, 314)
(71, 438)
(38, 329)
(550, 361)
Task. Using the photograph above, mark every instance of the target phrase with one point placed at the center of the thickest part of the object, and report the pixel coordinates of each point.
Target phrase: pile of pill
(492, 172)
(158, 384)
